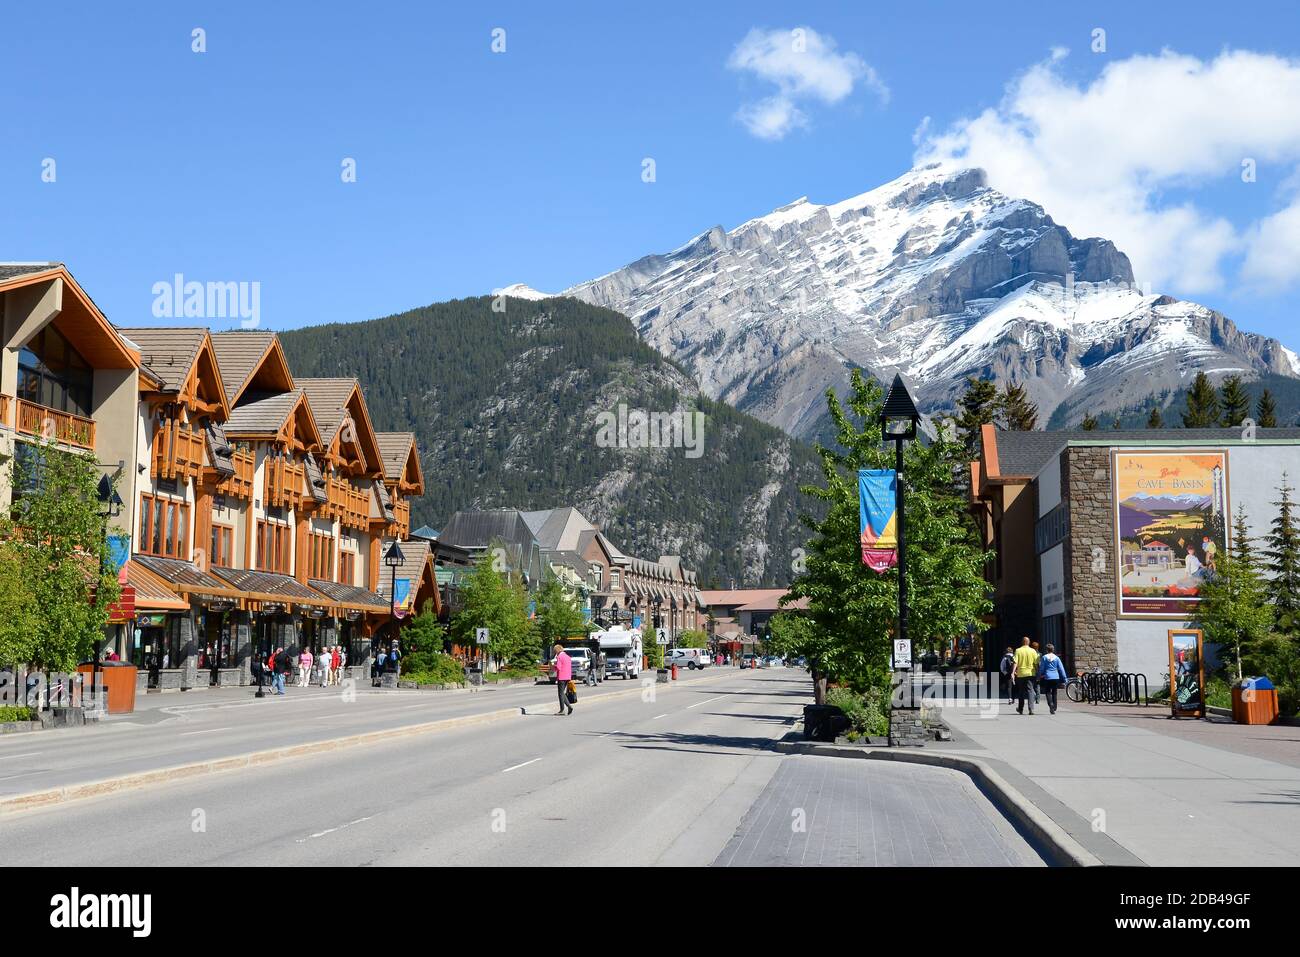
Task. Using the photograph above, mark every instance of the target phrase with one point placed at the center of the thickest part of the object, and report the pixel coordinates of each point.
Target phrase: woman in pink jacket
(563, 667)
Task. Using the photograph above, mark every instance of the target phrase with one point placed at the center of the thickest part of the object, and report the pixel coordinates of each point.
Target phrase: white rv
(622, 651)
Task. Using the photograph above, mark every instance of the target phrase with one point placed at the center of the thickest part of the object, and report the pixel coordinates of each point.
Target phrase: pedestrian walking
(334, 665)
(1026, 668)
(1034, 680)
(304, 668)
(378, 670)
(395, 660)
(562, 665)
(343, 659)
(280, 666)
(1007, 669)
(1051, 672)
(324, 666)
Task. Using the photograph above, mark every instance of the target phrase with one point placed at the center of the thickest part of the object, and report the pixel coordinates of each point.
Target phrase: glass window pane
(182, 531)
(156, 544)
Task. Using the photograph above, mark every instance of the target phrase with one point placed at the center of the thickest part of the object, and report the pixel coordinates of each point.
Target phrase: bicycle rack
(1115, 687)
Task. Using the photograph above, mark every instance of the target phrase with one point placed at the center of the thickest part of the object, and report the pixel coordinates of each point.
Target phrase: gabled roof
(182, 360)
(336, 401)
(79, 320)
(267, 417)
(401, 463)
(417, 566)
(248, 357)
(558, 529)
(738, 597)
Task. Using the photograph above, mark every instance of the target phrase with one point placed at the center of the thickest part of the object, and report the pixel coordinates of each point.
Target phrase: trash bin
(823, 722)
(1254, 701)
(117, 678)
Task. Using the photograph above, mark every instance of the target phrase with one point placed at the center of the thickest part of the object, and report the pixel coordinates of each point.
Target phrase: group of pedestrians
(1030, 675)
(325, 667)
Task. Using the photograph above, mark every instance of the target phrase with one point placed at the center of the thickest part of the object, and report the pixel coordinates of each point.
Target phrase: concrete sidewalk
(1165, 796)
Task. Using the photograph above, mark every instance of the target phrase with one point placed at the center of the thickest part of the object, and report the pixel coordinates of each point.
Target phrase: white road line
(698, 703)
(184, 734)
(331, 830)
(524, 765)
(658, 716)
(25, 754)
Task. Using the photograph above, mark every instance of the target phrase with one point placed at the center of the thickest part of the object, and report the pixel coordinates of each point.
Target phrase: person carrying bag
(1051, 672)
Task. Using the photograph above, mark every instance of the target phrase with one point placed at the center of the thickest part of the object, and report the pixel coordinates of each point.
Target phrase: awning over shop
(350, 596)
(184, 579)
(152, 593)
(272, 587)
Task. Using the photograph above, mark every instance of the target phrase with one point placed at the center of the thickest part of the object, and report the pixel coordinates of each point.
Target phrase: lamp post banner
(878, 518)
(403, 597)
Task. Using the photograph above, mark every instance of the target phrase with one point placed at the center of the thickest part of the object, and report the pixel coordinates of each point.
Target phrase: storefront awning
(152, 593)
(351, 597)
(184, 579)
(271, 587)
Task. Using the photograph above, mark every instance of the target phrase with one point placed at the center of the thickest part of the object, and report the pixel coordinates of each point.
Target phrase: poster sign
(1171, 526)
(1186, 673)
(902, 654)
(877, 521)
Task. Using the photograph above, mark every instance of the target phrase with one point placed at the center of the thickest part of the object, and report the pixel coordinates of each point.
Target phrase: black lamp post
(111, 504)
(898, 418)
(393, 559)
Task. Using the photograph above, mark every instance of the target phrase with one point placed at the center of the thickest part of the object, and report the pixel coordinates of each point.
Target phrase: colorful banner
(119, 550)
(877, 499)
(1171, 525)
(403, 597)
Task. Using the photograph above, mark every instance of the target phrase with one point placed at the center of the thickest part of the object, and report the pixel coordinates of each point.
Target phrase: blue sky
(476, 169)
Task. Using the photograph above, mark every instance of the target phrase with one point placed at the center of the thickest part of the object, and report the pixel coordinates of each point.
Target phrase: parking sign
(902, 654)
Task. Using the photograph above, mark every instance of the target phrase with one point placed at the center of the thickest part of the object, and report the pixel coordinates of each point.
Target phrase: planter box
(18, 727)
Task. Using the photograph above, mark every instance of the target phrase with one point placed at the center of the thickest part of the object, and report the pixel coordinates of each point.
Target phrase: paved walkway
(1180, 795)
(831, 811)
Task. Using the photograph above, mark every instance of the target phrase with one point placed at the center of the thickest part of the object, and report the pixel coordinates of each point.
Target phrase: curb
(126, 782)
(1061, 850)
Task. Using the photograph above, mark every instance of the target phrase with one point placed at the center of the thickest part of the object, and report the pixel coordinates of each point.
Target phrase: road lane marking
(698, 703)
(658, 716)
(524, 765)
(331, 830)
(25, 754)
(208, 731)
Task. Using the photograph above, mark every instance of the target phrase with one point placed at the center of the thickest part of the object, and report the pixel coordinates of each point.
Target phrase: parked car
(689, 658)
(749, 661)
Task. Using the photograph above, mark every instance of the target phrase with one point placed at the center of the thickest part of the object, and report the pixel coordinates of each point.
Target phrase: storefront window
(218, 646)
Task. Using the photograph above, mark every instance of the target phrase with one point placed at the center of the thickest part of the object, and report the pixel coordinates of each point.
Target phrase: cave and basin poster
(1171, 522)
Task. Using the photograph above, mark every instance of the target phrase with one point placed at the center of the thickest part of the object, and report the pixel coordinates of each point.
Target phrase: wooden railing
(284, 482)
(177, 452)
(4, 410)
(349, 504)
(240, 485)
(55, 426)
(402, 510)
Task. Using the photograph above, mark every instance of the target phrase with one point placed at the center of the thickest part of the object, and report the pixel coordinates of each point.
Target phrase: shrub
(10, 713)
(433, 668)
(867, 712)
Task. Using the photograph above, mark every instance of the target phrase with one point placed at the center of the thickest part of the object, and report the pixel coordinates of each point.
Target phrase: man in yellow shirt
(1026, 668)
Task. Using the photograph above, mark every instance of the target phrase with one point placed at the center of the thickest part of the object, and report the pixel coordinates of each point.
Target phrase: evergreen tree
(1155, 420)
(1283, 554)
(1233, 611)
(1015, 412)
(60, 572)
(977, 406)
(1202, 404)
(1234, 401)
(1116, 425)
(1266, 411)
(853, 610)
(1089, 423)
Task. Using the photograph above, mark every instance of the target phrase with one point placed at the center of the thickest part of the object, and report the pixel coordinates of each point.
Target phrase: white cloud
(1271, 250)
(1101, 157)
(805, 66)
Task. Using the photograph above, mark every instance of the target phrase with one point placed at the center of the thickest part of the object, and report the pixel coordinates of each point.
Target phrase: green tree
(1089, 423)
(1116, 425)
(1283, 553)
(1233, 611)
(558, 615)
(1202, 404)
(978, 406)
(796, 635)
(424, 635)
(60, 555)
(855, 608)
(1015, 412)
(1155, 420)
(498, 602)
(18, 610)
(1234, 401)
(692, 638)
(1266, 411)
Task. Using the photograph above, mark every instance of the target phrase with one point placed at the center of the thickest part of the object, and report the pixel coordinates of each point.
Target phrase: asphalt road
(625, 781)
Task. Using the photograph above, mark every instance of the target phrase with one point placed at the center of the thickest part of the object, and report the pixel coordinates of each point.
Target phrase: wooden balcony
(177, 452)
(5, 403)
(284, 483)
(349, 504)
(240, 485)
(402, 527)
(51, 425)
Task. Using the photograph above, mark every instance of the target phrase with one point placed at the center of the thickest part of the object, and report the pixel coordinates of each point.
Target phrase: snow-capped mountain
(935, 275)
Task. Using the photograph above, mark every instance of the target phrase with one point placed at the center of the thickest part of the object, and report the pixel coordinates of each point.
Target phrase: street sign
(481, 635)
(903, 654)
(662, 637)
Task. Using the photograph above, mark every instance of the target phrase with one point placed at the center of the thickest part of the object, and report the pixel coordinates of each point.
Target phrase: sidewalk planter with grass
(20, 718)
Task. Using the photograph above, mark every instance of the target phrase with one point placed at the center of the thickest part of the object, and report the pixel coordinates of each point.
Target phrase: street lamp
(898, 418)
(393, 558)
(111, 506)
